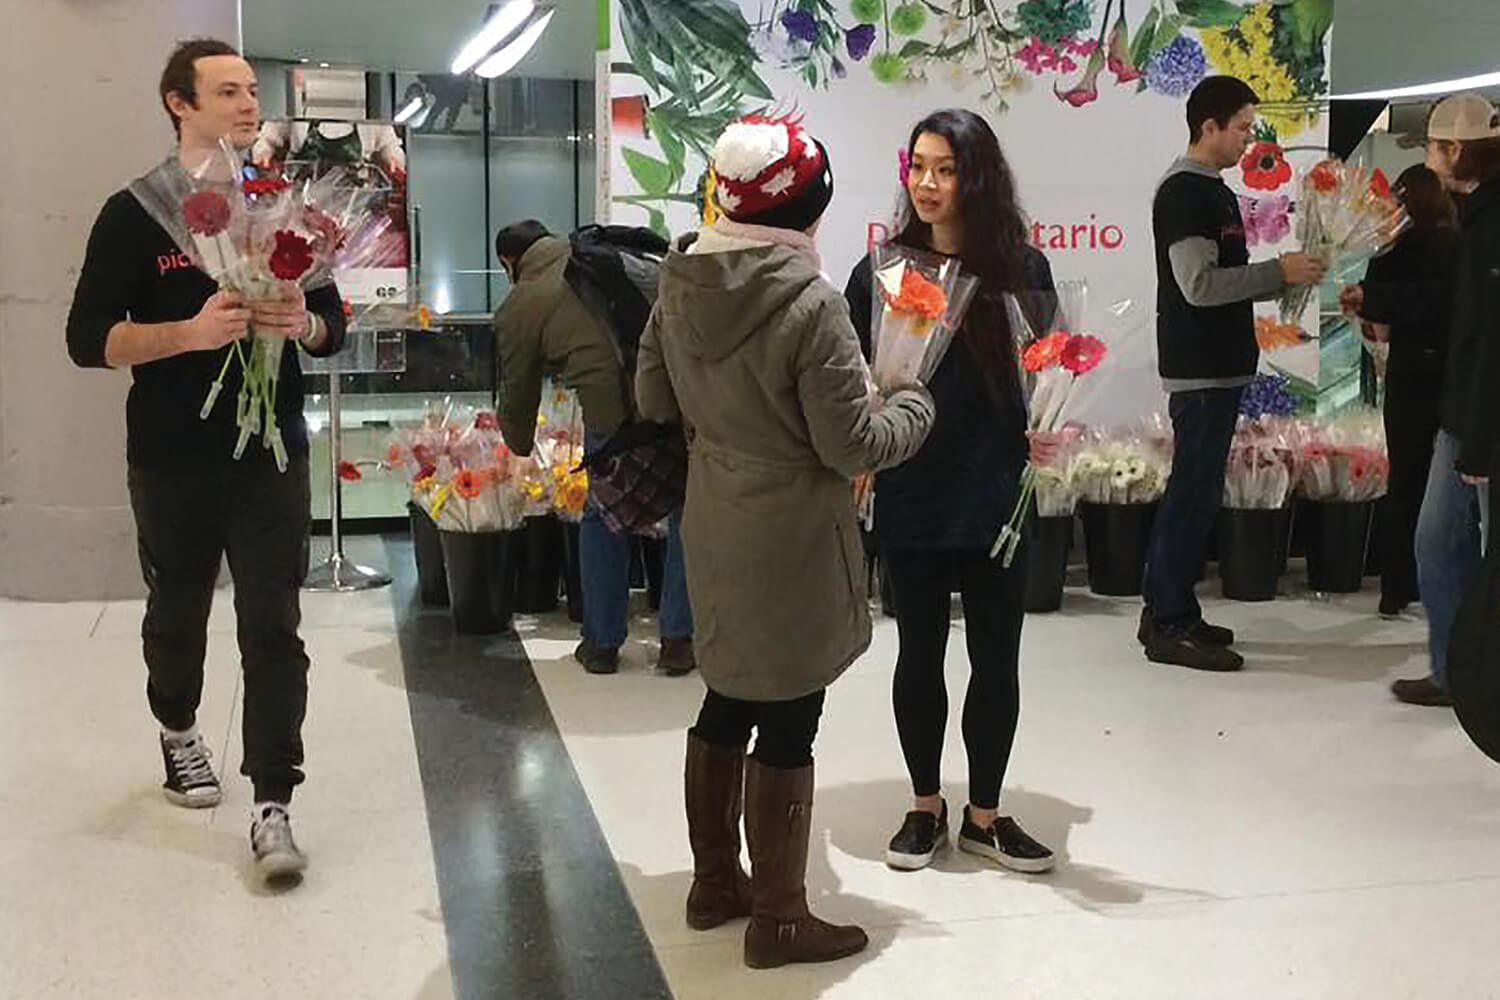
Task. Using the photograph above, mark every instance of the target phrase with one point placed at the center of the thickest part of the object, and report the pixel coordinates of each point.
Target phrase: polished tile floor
(485, 820)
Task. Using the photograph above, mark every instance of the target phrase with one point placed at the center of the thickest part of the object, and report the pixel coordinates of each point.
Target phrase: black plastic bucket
(1117, 538)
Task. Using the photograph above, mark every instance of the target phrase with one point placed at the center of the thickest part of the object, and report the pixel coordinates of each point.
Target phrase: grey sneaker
(276, 853)
(191, 782)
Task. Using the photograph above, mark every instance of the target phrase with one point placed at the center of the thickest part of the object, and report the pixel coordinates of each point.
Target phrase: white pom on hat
(747, 149)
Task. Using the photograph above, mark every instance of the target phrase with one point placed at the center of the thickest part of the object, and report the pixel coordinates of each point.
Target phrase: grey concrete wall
(79, 119)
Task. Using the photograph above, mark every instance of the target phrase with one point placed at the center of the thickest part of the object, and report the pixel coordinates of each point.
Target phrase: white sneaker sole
(915, 862)
(1026, 866)
(191, 800)
(281, 865)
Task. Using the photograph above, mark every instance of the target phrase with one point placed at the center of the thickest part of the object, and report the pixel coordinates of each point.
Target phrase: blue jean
(1450, 533)
(1203, 424)
(604, 559)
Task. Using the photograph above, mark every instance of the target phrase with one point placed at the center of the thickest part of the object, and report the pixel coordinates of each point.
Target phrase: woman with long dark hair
(937, 517)
(1406, 299)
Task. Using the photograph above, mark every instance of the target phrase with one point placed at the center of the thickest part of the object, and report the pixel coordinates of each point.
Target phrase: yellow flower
(1247, 54)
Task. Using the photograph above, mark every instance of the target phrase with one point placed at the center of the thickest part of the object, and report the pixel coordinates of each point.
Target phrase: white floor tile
(32, 620)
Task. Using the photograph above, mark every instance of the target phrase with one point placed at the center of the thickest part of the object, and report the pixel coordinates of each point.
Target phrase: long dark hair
(994, 238)
(1426, 200)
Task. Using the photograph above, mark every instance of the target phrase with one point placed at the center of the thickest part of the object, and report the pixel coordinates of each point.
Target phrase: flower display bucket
(1116, 538)
(1284, 537)
(538, 565)
(480, 580)
(1047, 563)
(1250, 546)
(427, 546)
(1338, 536)
(573, 572)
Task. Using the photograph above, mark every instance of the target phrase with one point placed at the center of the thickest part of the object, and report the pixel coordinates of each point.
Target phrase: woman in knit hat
(753, 350)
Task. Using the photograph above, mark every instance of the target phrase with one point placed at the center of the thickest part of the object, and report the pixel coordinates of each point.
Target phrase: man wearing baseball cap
(1463, 149)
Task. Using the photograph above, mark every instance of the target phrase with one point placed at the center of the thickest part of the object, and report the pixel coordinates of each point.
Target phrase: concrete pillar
(79, 118)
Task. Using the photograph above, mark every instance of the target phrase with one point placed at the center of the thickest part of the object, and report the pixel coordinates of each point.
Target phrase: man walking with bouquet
(140, 303)
(1205, 330)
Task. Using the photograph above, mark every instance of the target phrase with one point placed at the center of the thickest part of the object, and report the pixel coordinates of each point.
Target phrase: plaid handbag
(639, 477)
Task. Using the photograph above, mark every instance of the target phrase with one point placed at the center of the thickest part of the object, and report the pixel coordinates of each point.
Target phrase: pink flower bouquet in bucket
(920, 302)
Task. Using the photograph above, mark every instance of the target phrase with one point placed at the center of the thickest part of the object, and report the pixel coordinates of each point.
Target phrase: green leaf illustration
(652, 175)
(867, 11)
(1141, 52)
(914, 48)
(908, 19)
(1311, 20)
(1211, 13)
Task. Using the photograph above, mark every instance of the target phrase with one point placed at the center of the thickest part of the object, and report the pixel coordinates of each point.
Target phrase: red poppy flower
(1265, 167)
(206, 213)
(292, 257)
(1083, 354)
(484, 420)
(264, 185)
(349, 472)
(1323, 178)
(1045, 353)
(1380, 185)
(467, 484)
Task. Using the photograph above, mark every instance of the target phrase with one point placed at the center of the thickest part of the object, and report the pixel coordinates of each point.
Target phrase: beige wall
(80, 118)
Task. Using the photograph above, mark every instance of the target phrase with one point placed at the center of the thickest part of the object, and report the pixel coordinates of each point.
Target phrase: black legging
(1411, 424)
(785, 730)
(994, 607)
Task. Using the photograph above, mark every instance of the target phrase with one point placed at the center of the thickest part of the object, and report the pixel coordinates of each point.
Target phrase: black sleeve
(1041, 302)
(107, 281)
(858, 293)
(328, 305)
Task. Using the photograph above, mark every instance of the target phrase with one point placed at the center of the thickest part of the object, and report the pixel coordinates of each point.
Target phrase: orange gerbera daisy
(1045, 353)
(467, 484)
(919, 295)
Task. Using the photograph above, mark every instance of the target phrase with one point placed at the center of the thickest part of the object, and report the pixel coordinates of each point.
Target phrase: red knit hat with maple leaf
(771, 172)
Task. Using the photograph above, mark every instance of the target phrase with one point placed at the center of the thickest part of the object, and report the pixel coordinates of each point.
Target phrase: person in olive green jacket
(542, 328)
(753, 350)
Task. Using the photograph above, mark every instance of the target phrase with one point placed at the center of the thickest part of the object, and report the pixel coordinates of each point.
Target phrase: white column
(79, 118)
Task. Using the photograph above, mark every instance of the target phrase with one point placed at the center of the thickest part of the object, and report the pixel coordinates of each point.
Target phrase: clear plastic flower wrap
(1344, 458)
(1345, 214)
(255, 236)
(1120, 469)
(919, 303)
(559, 445)
(1053, 489)
(1264, 463)
(460, 470)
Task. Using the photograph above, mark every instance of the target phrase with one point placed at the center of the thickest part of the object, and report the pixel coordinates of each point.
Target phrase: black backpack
(614, 271)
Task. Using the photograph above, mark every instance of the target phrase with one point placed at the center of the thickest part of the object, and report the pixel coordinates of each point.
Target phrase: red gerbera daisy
(292, 257)
(1083, 354)
(349, 472)
(264, 185)
(1380, 185)
(1323, 177)
(206, 213)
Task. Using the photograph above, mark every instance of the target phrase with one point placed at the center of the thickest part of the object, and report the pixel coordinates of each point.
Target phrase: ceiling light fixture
(1480, 82)
(502, 23)
(407, 113)
(505, 60)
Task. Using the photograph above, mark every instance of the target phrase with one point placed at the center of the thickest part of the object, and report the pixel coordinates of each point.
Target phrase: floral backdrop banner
(1087, 97)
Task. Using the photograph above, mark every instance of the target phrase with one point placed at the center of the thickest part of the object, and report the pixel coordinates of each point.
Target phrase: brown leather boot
(778, 822)
(715, 792)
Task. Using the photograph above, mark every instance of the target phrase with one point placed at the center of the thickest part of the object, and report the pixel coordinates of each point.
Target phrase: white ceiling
(1389, 43)
(410, 35)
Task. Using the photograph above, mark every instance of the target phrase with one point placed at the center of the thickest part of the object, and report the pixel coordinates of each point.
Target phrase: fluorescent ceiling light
(496, 30)
(1480, 82)
(405, 114)
(505, 60)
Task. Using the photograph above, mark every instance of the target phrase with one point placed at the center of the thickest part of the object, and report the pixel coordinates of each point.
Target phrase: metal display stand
(369, 351)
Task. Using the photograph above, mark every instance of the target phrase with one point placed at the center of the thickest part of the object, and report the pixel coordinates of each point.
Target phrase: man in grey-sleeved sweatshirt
(1205, 330)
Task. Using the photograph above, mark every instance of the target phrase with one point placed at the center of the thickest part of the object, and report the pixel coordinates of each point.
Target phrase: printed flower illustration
(1267, 220)
(800, 25)
(1119, 54)
(1265, 167)
(858, 40)
(1178, 68)
(206, 213)
(888, 67)
(292, 257)
(1083, 354)
(1086, 90)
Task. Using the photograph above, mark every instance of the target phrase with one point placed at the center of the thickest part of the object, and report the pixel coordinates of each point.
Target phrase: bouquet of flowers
(1264, 463)
(1345, 215)
(1344, 459)
(254, 237)
(464, 473)
(920, 301)
(1128, 469)
(1055, 363)
(559, 450)
(1052, 482)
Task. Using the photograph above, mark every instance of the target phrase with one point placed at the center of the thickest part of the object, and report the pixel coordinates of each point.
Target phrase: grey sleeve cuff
(1195, 265)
